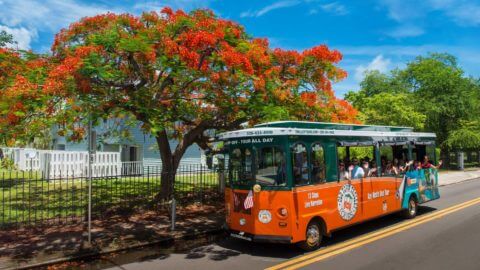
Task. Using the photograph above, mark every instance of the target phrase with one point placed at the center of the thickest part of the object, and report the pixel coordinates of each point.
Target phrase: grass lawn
(26, 198)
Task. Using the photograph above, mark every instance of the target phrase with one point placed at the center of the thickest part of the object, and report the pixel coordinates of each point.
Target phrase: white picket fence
(19, 157)
(55, 164)
(58, 164)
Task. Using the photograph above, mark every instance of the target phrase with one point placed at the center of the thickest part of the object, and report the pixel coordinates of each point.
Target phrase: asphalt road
(443, 236)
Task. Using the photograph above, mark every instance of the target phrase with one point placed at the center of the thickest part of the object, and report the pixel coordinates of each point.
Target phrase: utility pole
(91, 152)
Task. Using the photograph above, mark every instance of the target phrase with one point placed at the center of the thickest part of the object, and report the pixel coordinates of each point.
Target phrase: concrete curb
(463, 180)
(92, 253)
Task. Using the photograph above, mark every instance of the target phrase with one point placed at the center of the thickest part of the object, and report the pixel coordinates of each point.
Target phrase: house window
(60, 147)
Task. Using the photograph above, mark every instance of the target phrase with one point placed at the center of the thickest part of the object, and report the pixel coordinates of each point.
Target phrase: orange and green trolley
(295, 182)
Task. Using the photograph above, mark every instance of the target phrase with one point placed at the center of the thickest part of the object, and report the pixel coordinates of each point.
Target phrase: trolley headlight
(242, 221)
(282, 212)
(264, 216)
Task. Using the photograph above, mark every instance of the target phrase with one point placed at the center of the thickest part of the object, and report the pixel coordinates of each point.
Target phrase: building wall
(146, 143)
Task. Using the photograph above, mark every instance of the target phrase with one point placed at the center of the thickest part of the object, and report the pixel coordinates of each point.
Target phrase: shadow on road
(226, 247)
(290, 251)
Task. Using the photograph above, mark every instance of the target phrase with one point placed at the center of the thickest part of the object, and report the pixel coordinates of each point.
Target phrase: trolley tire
(313, 237)
(411, 211)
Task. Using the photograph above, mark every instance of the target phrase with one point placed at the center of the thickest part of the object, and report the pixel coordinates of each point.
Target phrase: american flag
(248, 203)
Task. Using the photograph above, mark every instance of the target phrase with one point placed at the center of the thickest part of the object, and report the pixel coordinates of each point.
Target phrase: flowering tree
(183, 74)
(25, 109)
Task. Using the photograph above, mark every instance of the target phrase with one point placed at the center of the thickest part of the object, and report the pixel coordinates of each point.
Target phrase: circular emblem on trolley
(347, 202)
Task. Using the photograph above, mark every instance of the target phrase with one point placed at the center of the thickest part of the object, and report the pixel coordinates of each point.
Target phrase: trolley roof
(303, 128)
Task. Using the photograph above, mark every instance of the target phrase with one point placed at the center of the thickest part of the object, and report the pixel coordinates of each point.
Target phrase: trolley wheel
(411, 211)
(313, 237)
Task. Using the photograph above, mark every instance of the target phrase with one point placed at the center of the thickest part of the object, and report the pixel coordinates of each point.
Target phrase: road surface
(445, 235)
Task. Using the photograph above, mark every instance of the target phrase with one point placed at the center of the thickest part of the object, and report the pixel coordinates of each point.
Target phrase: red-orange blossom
(182, 74)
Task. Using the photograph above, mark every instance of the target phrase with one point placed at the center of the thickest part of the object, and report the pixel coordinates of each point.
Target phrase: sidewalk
(452, 177)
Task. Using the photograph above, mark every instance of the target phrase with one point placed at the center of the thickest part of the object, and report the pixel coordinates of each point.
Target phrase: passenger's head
(365, 164)
(341, 166)
(425, 158)
(355, 161)
(416, 164)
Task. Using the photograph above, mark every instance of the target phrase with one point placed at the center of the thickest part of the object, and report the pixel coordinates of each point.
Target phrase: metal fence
(28, 198)
(471, 159)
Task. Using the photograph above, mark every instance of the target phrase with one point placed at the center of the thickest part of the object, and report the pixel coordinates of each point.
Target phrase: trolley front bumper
(260, 238)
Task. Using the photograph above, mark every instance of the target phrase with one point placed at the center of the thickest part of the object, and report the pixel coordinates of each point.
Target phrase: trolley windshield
(263, 164)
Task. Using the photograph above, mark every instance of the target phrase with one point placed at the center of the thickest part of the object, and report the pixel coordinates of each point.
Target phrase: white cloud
(24, 19)
(21, 35)
(335, 8)
(462, 12)
(467, 14)
(313, 8)
(403, 31)
(378, 63)
(402, 10)
(267, 9)
(49, 14)
(175, 4)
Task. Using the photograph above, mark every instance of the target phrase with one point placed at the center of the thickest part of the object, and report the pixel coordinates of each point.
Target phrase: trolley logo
(347, 202)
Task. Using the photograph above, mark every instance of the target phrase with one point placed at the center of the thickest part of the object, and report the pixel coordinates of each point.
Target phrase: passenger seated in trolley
(373, 172)
(318, 173)
(355, 170)
(300, 170)
(342, 171)
(426, 164)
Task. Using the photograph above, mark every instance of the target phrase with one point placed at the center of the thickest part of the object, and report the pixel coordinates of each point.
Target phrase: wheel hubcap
(412, 208)
(313, 236)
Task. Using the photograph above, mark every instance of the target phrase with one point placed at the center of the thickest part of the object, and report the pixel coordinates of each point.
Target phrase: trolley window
(271, 167)
(300, 164)
(318, 164)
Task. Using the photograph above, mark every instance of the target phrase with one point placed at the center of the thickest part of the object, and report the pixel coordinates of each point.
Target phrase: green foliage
(431, 93)
(6, 38)
(465, 138)
(462, 139)
(358, 152)
(7, 164)
(392, 109)
(375, 83)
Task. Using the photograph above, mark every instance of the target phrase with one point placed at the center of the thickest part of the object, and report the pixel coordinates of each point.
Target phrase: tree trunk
(168, 168)
(171, 160)
(167, 182)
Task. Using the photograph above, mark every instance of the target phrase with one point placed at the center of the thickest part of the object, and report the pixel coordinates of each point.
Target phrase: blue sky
(372, 34)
